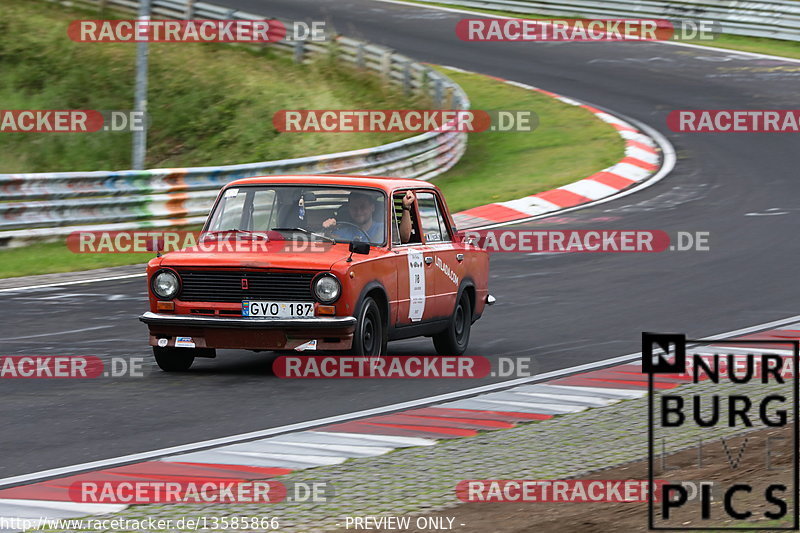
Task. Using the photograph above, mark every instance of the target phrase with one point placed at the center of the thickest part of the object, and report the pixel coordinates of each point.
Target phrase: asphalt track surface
(561, 309)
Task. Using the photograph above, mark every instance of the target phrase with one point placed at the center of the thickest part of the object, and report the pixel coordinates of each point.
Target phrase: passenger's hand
(408, 199)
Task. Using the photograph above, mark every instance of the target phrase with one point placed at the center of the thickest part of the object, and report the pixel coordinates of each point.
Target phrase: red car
(333, 263)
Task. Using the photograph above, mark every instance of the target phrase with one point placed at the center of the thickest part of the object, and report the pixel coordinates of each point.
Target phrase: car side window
(229, 213)
(433, 225)
(397, 202)
(264, 211)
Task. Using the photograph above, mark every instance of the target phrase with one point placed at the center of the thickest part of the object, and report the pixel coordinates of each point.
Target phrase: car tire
(370, 338)
(454, 339)
(173, 359)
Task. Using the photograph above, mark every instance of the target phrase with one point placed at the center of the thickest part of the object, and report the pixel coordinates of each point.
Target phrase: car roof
(379, 182)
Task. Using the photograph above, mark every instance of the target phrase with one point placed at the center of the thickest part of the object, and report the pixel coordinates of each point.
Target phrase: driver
(357, 217)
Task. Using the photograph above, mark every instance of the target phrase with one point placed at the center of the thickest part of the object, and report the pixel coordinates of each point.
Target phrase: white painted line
(64, 283)
(92, 508)
(70, 332)
(242, 437)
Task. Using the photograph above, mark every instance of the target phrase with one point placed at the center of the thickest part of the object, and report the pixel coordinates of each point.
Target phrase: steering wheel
(344, 223)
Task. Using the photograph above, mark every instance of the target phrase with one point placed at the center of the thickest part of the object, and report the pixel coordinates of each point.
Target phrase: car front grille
(226, 286)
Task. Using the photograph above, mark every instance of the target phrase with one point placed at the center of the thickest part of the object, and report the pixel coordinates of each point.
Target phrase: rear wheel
(370, 337)
(454, 340)
(173, 359)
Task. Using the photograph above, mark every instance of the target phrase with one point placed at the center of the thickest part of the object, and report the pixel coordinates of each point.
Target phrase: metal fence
(776, 19)
(49, 205)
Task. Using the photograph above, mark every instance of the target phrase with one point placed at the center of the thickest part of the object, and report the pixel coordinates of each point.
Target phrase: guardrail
(48, 205)
(776, 19)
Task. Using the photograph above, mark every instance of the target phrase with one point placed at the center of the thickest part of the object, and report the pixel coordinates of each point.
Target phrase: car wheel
(370, 337)
(173, 359)
(454, 340)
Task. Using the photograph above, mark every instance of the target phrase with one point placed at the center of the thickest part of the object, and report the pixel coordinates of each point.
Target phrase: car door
(416, 291)
(442, 254)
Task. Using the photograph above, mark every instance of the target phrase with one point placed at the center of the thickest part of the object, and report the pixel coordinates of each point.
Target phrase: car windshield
(300, 212)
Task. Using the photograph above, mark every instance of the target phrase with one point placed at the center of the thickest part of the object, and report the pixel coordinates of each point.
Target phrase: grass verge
(210, 104)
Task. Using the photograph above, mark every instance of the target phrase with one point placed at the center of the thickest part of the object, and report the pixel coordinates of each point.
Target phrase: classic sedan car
(329, 263)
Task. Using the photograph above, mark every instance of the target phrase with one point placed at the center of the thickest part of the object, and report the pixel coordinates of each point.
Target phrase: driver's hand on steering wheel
(330, 223)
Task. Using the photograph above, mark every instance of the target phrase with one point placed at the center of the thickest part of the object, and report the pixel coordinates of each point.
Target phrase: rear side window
(433, 225)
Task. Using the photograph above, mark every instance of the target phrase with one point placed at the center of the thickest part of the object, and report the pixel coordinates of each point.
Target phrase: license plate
(259, 309)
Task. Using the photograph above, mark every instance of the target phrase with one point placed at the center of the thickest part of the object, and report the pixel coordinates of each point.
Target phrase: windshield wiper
(306, 232)
(238, 232)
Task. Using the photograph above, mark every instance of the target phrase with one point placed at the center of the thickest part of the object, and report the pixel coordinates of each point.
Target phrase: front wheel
(370, 337)
(454, 340)
(173, 359)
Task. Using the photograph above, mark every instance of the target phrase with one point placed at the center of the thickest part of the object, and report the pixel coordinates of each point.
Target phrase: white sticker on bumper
(184, 342)
(310, 345)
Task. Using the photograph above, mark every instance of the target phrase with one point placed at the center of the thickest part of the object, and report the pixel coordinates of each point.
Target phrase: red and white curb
(331, 444)
(644, 156)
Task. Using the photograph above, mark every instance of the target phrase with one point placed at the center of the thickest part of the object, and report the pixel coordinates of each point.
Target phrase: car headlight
(165, 284)
(327, 288)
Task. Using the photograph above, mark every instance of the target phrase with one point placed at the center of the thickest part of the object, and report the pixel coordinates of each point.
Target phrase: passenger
(356, 219)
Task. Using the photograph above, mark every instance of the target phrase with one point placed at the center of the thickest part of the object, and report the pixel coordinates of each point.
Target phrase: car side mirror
(359, 247)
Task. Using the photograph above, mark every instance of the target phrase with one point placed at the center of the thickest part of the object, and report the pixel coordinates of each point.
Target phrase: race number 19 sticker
(416, 281)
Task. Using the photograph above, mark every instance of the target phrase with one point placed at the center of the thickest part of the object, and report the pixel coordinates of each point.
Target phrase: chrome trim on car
(235, 322)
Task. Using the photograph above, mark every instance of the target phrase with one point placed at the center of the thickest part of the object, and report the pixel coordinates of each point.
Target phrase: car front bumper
(331, 333)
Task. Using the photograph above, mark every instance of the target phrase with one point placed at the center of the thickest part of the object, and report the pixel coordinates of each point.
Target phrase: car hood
(273, 254)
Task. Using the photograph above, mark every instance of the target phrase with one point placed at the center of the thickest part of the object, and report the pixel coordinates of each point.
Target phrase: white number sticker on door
(416, 279)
